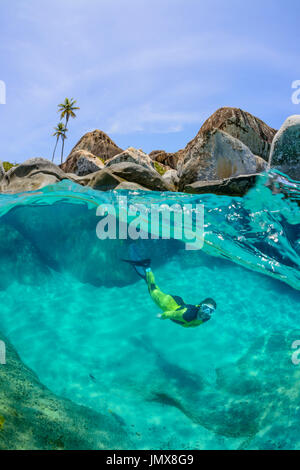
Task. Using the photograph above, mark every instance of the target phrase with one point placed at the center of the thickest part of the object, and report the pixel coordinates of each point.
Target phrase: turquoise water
(84, 322)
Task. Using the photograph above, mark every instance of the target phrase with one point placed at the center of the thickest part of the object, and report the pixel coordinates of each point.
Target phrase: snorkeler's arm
(172, 315)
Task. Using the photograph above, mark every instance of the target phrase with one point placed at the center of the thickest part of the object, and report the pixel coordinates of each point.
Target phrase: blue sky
(147, 72)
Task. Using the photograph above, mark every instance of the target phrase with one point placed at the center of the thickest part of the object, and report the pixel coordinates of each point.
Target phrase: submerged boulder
(285, 153)
(255, 400)
(82, 163)
(20, 260)
(61, 235)
(33, 418)
(216, 155)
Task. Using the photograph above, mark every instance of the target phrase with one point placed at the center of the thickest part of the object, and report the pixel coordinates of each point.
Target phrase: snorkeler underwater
(149, 227)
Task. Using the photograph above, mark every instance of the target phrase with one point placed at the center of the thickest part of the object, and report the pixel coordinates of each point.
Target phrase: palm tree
(66, 109)
(60, 132)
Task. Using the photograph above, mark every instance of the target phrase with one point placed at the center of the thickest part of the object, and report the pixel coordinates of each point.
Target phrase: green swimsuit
(173, 307)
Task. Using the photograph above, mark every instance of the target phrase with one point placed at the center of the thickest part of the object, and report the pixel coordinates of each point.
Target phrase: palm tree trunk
(55, 149)
(62, 150)
(63, 144)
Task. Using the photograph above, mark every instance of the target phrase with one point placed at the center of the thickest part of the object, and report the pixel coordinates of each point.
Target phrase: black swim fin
(140, 265)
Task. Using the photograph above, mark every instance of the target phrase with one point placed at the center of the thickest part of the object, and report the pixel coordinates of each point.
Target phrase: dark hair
(210, 302)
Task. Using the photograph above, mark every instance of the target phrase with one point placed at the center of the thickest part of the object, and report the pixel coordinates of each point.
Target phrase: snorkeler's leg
(164, 301)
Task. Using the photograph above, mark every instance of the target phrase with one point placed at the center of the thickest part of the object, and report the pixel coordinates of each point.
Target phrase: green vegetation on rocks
(7, 165)
(159, 168)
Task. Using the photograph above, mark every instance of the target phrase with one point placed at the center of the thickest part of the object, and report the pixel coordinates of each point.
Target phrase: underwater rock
(20, 260)
(203, 404)
(98, 143)
(77, 251)
(132, 155)
(215, 155)
(238, 186)
(64, 237)
(256, 399)
(285, 152)
(82, 162)
(250, 130)
(33, 418)
(267, 374)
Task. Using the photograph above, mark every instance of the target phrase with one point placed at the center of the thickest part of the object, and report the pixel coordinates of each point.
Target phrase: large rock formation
(99, 144)
(82, 163)
(104, 180)
(236, 186)
(168, 159)
(132, 155)
(285, 153)
(2, 171)
(216, 155)
(230, 143)
(126, 185)
(33, 418)
(31, 175)
(146, 177)
(37, 173)
(250, 130)
(171, 177)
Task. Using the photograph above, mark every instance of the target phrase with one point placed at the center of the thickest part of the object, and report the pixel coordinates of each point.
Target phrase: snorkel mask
(207, 308)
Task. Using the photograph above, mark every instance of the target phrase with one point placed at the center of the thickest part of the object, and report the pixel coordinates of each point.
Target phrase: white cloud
(145, 119)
